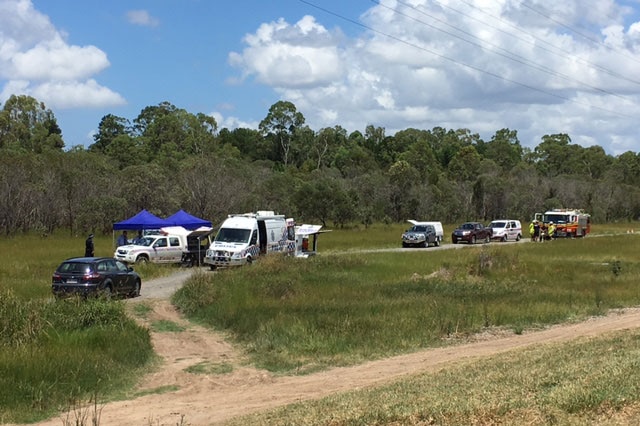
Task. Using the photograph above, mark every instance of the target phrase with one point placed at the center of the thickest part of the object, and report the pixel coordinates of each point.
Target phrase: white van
(506, 229)
(436, 225)
(242, 238)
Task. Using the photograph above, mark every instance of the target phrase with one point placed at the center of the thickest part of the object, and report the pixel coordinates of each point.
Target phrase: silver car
(420, 236)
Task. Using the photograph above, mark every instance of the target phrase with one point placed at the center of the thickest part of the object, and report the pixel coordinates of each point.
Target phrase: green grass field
(54, 354)
(295, 316)
(302, 315)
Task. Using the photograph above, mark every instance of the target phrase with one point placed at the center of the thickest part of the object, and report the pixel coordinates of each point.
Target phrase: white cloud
(282, 55)
(36, 60)
(142, 18)
(231, 122)
(56, 60)
(495, 65)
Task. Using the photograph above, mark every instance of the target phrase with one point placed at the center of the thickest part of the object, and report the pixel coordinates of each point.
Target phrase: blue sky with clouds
(538, 67)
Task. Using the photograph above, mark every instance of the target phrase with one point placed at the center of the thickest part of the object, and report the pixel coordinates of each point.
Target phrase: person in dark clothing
(122, 239)
(138, 238)
(536, 231)
(88, 246)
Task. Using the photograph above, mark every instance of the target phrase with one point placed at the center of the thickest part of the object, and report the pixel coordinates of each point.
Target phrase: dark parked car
(86, 276)
(471, 232)
(420, 235)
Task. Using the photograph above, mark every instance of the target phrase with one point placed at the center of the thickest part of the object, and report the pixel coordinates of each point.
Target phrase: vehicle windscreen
(418, 228)
(146, 241)
(233, 235)
(556, 218)
(498, 224)
(467, 226)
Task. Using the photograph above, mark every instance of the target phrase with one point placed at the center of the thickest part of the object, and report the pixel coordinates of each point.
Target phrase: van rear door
(262, 236)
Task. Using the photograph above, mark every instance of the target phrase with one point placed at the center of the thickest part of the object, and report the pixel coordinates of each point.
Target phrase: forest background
(167, 159)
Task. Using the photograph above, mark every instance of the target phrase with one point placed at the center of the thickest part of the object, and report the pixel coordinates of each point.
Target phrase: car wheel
(136, 289)
(503, 239)
(107, 292)
(249, 260)
(142, 259)
(425, 244)
(404, 245)
(518, 237)
(212, 267)
(473, 240)
(437, 243)
(487, 239)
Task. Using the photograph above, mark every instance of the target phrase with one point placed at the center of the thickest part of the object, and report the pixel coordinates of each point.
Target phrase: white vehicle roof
(179, 230)
(239, 222)
(416, 222)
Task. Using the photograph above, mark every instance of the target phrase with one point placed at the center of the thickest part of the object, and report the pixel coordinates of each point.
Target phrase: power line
(508, 54)
(575, 31)
(567, 54)
(450, 59)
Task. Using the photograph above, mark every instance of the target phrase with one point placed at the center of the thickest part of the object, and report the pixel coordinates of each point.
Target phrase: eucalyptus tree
(170, 132)
(446, 143)
(403, 177)
(373, 137)
(504, 149)
(110, 128)
(464, 164)
(594, 162)
(371, 192)
(280, 125)
(419, 153)
(28, 125)
(249, 142)
(326, 144)
(627, 165)
(352, 160)
(554, 155)
(323, 198)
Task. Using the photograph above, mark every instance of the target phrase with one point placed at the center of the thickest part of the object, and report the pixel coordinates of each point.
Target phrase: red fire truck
(568, 222)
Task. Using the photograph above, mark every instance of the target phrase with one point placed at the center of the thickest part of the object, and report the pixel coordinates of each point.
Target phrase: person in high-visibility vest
(531, 229)
(552, 231)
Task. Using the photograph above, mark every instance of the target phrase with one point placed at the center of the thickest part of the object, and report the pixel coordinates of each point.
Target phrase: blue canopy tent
(187, 221)
(143, 220)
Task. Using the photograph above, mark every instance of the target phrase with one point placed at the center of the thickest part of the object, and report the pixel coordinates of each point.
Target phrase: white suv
(506, 229)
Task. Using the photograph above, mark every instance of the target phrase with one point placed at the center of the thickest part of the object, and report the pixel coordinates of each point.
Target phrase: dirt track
(204, 399)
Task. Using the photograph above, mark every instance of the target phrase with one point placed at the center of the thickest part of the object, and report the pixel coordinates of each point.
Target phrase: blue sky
(538, 67)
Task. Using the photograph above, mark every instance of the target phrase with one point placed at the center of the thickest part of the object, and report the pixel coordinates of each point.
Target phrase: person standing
(122, 239)
(138, 239)
(88, 246)
(552, 231)
(531, 229)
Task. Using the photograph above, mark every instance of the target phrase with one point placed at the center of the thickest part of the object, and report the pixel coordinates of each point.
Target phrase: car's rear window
(74, 268)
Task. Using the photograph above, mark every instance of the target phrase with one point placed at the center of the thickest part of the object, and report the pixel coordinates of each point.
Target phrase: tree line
(167, 158)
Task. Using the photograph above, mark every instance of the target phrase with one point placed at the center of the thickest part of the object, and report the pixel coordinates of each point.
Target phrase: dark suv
(471, 232)
(87, 276)
(420, 235)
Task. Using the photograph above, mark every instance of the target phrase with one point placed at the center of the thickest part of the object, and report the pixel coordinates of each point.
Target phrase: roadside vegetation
(60, 354)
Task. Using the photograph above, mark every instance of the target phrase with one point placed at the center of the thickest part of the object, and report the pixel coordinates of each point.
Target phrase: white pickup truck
(171, 245)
